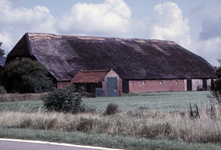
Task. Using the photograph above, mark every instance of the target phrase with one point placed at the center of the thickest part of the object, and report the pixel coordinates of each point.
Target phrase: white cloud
(17, 21)
(209, 41)
(32, 19)
(211, 19)
(208, 49)
(170, 24)
(6, 40)
(109, 18)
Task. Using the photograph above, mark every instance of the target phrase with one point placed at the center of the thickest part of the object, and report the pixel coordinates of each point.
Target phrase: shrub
(25, 76)
(64, 100)
(111, 109)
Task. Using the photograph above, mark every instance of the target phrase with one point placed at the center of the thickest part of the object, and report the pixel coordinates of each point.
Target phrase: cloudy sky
(194, 24)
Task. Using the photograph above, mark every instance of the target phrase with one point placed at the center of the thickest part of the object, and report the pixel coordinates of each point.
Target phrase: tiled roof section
(132, 59)
(90, 76)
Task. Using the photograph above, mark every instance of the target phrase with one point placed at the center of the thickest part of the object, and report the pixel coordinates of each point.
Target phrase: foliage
(26, 76)
(2, 90)
(216, 90)
(218, 72)
(111, 109)
(64, 100)
(1, 51)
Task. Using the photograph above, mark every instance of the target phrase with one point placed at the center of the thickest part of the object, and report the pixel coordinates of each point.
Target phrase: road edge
(54, 143)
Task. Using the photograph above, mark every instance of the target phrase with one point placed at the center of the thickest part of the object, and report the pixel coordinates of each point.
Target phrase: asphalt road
(14, 144)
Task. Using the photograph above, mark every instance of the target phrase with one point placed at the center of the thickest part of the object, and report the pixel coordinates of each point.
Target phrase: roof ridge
(101, 37)
(101, 70)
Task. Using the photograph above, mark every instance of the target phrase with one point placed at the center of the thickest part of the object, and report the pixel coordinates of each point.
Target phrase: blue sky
(194, 24)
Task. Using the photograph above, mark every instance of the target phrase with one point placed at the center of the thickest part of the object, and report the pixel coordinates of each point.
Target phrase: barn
(142, 65)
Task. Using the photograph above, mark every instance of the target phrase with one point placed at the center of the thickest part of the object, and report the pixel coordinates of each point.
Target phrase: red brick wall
(62, 84)
(143, 86)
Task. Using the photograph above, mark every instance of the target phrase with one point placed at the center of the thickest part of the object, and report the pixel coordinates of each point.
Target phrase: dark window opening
(125, 86)
(88, 88)
(204, 84)
(189, 85)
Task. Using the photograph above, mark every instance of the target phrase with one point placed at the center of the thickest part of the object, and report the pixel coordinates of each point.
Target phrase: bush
(64, 100)
(25, 76)
(111, 109)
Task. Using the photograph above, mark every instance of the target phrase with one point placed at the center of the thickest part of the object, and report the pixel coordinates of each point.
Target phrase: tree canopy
(218, 71)
(1, 51)
(26, 76)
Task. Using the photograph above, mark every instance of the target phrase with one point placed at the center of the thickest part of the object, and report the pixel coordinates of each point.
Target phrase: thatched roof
(64, 56)
(90, 76)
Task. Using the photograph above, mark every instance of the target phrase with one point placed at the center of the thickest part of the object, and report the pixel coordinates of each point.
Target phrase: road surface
(15, 144)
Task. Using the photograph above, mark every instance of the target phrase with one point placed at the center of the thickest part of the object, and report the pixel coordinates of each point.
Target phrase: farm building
(96, 80)
(142, 65)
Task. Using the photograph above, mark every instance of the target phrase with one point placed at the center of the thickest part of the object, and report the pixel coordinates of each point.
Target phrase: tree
(25, 76)
(216, 91)
(1, 51)
(218, 71)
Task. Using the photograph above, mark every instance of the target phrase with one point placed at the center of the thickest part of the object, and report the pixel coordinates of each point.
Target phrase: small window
(144, 83)
(176, 82)
(161, 82)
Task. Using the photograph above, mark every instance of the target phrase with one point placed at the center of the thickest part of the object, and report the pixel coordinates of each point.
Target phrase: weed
(158, 130)
(27, 123)
(85, 125)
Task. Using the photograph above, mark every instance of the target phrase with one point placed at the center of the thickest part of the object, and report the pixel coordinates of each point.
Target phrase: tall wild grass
(147, 124)
(14, 97)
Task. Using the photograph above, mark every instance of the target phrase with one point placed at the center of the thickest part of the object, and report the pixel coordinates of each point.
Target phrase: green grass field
(160, 101)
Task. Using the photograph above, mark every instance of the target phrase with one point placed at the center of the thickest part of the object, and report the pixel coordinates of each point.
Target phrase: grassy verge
(145, 124)
(104, 140)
